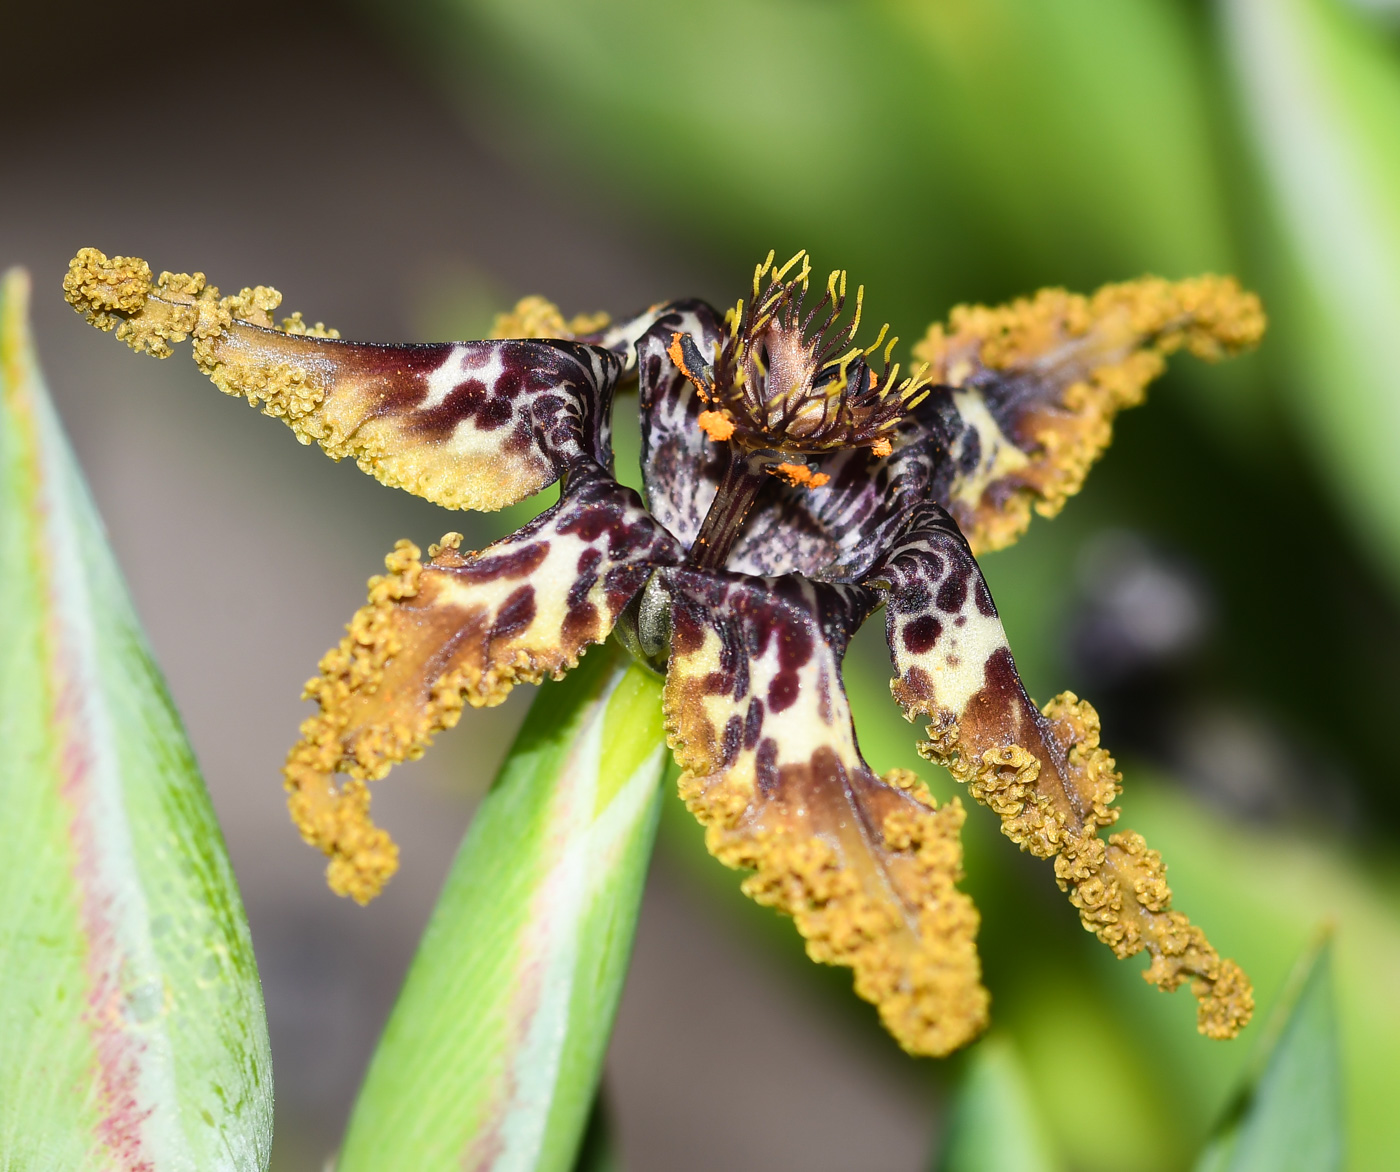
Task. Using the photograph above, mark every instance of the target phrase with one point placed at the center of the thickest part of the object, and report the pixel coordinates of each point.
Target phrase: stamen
(791, 380)
(691, 363)
(760, 270)
(800, 255)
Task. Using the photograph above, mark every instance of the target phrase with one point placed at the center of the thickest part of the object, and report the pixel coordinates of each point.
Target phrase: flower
(795, 482)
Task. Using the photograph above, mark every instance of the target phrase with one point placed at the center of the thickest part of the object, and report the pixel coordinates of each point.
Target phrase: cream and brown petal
(1043, 773)
(466, 425)
(867, 867)
(865, 507)
(462, 629)
(1036, 385)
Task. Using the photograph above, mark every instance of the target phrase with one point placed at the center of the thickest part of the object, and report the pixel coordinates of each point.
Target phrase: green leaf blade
(1289, 1117)
(132, 1031)
(994, 1126)
(492, 1055)
(1321, 97)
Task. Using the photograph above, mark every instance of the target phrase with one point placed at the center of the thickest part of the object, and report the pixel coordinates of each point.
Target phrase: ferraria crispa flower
(795, 481)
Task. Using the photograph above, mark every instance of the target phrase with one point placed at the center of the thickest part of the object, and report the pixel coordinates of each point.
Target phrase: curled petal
(470, 425)
(1043, 773)
(866, 867)
(462, 629)
(834, 530)
(681, 464)
(1033, 386)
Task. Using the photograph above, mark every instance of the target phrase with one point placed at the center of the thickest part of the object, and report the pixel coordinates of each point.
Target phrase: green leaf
(993, 1126)
(1321, 90)
(943, 152)
(492, 1054)
(132, 1032)
(917, 142)
(1288, 1116)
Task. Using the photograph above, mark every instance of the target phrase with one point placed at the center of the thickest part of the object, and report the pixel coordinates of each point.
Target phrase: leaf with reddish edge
(132, 1033)
(491, 1057)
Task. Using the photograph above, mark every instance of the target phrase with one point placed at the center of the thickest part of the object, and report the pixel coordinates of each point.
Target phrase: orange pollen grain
(881, 447)
(796, 474)
(717, 425)
(677, 355)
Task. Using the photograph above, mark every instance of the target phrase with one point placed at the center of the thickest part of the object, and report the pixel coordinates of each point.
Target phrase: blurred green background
(1225, 590)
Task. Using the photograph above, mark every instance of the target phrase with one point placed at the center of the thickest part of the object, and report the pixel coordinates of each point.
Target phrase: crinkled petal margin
(461, 630)
(467, 425)
(1043, 773)
(1033, 386)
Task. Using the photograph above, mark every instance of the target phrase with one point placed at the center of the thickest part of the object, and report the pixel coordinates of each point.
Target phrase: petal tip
(363, 857)
(1225, 1003)
(1078, 361)
(106, 290)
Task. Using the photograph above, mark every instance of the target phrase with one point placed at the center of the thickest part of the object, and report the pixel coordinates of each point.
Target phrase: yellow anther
(878, 342)
(760, 270)
(799, 255)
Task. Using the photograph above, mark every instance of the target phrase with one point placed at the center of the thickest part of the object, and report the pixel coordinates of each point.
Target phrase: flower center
(790, 379)
(789, 383)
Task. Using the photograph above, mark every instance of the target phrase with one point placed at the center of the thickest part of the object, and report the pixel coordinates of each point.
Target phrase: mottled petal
(621, 337)
(463, 629)
(1033, 386)
(1044, 773)
(784, 533)
(836, 531)
(470, 425)
(866, 867)
(681, 465)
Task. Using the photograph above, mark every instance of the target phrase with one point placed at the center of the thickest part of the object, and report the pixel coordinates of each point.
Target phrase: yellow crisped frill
(1087, 358)
(538, 317)
(1118, 886)
(336, 819)
(926, 985)
(355, 400)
